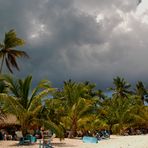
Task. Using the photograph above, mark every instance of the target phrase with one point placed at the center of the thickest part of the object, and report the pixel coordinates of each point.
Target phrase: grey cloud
(64, 40)
(94, 6)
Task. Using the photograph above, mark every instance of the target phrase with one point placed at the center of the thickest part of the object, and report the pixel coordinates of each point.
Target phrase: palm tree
(101, 95)
(121, 89)
(141, 90)
(75, 103)
(119, 113)
(26, 105)
(3, 113)
(90, 87)
(77, 113)
(3, 87)
(92, 123)
(8, 53)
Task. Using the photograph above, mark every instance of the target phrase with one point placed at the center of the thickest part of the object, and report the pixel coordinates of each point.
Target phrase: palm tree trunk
(110, 128)
(142, 99)
(73, 131)
(24, 131)
(2, 63)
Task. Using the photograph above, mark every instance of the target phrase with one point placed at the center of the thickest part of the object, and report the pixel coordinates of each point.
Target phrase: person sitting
(1, 136)
(38, 134)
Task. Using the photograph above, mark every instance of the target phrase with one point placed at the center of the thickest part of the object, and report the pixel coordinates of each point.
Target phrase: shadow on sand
(62, 144)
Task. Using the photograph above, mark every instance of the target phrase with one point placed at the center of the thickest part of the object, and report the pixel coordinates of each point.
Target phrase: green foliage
(11, 40)
(141, 91)
(27, 104)
(76, 103)
(121, 89)
(79, 107)
(121, 114)
(76, 107)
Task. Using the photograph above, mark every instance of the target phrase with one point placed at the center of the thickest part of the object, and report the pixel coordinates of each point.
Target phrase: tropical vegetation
(76, 109)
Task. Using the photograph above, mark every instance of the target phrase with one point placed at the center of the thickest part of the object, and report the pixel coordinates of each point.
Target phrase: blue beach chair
(28, 139)
(31, 138)
(88, 139)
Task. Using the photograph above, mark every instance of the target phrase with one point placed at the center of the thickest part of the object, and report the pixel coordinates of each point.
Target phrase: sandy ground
(138, 141)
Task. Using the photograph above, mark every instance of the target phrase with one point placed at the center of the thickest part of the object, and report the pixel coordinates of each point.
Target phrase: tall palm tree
(25, 104)
(8, 53)
(121, 89)
(75, 104)
(78, 112)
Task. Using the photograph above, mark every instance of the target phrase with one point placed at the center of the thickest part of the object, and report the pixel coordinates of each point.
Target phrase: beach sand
(137, 141)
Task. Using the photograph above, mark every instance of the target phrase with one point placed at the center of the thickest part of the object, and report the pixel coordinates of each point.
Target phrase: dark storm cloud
(79, 39)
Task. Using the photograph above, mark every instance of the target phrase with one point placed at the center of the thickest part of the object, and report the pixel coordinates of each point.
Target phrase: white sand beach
(137, 141)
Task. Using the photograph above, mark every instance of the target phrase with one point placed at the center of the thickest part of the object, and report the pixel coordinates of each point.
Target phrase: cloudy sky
(93, 40)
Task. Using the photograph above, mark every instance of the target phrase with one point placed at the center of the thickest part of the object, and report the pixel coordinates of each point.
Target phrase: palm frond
(48, 124)
(19, 53)
(8, 65)
(11, 40)
(14, 106)
(12, 60)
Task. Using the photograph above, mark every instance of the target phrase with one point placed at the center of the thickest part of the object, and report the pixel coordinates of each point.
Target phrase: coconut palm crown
(121, 88)
(8, 53)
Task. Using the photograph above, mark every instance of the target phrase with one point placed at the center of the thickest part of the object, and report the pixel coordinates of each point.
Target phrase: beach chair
(105, 134)
(88, 139)
(28, 139)
(31, 138)
(24, 141)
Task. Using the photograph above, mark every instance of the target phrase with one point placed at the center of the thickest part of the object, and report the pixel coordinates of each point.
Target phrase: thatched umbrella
(9, 121)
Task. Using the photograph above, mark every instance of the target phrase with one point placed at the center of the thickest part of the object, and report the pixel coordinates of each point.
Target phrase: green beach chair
(28, 139)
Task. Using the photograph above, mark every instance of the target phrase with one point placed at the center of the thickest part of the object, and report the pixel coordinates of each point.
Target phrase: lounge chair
(88, 139)
(24, 141)
(102, 135)
(31, 138)
(28, 139)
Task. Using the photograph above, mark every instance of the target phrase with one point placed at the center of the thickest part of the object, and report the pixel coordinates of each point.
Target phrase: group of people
(40, 133)
(103, 134)
(5, 135)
